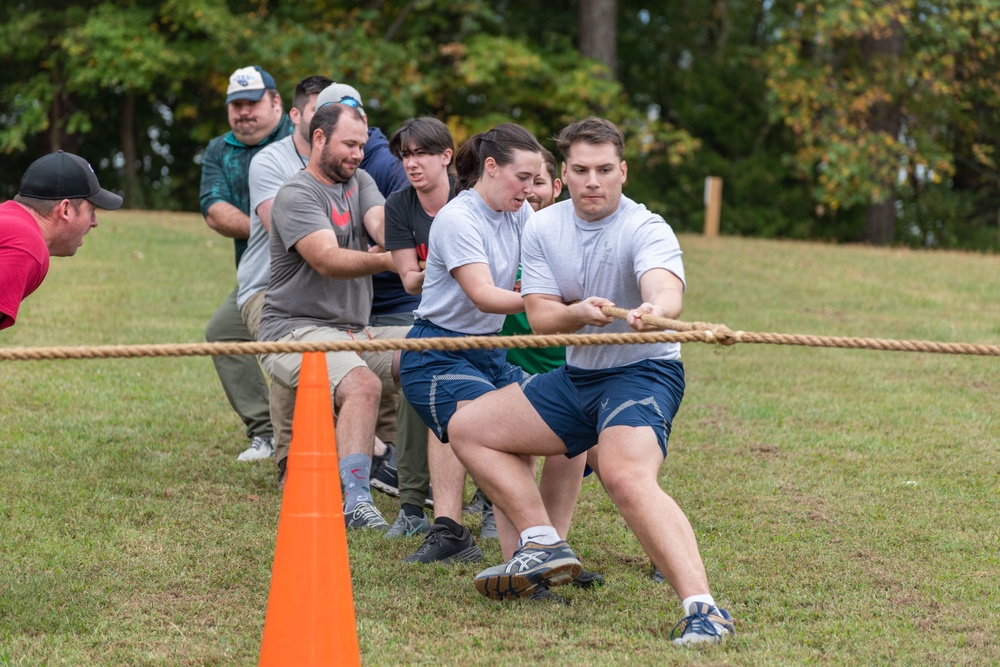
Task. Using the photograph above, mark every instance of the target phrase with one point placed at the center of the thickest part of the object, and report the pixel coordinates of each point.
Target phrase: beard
(338, 170)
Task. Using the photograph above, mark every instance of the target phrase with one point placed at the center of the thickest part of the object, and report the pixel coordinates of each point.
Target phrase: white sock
(540, 535)
(688, 602)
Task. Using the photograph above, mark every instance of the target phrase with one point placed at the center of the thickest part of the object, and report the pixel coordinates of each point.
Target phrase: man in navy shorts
(614, 402)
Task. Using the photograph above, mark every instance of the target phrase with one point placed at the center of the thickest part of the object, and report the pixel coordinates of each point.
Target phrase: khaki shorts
(250, 312)
(284, 367)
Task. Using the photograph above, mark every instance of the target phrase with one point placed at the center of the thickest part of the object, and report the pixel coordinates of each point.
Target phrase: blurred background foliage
(846, 120)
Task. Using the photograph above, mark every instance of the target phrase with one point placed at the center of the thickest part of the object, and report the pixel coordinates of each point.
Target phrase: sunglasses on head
(346, 101)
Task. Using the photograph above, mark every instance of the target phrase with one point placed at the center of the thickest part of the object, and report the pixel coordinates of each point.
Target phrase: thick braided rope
(682, 332)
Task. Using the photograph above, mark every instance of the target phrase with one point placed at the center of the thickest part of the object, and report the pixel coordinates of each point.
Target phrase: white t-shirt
(269, 170)
(573, 259)
(467, 231)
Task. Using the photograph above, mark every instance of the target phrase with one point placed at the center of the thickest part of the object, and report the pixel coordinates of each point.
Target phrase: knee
(360, 385)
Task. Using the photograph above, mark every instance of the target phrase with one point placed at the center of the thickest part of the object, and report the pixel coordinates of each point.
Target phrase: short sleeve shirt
(407, 224)
(24, 259)
(467, 231)
(297, 295)
(573, 259)
(269, 170)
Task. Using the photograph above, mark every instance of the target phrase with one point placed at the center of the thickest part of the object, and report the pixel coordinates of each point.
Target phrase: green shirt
(225, 172)
(532, 360)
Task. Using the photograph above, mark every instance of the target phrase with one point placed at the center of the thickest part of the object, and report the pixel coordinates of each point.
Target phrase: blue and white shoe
(532, 566)
(706, 624)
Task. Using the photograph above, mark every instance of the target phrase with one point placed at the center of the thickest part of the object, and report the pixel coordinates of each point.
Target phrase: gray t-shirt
(572, 259)
(297, 295)
(467, 231)
(269, 170)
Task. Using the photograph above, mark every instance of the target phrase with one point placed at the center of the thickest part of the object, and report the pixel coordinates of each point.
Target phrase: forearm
(228, 220)
(496, 300)
(549, 315)
(346, 264)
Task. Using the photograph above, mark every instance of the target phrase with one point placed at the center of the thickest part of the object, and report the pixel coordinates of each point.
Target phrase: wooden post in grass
(713, 204)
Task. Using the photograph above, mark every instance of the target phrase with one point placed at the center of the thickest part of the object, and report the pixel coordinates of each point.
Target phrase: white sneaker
(261, 447)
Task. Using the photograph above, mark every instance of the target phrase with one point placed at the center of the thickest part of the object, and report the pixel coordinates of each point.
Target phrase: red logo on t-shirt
(422, 251)
(341, 219)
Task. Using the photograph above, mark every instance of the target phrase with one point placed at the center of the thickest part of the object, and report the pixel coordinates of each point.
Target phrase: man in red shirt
(55, 206)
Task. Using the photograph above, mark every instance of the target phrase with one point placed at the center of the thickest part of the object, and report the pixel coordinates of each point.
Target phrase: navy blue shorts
(436, 380)
(578, 404)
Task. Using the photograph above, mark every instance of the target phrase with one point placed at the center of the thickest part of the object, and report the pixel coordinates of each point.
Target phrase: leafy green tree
(877, 96)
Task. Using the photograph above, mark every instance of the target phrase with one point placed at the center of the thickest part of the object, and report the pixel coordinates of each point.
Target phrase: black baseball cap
(62, 175)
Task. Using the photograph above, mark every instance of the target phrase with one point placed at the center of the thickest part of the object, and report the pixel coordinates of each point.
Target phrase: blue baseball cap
(249, 83)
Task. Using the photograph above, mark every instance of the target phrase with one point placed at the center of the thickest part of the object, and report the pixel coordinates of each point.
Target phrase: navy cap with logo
(249, 83)
(62, 175)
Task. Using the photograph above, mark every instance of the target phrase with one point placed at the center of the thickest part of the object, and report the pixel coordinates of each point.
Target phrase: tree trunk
(134, 196)
(599, 32)
(880, 219)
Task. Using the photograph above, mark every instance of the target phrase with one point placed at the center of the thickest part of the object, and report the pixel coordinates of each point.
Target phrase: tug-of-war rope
(680, 332)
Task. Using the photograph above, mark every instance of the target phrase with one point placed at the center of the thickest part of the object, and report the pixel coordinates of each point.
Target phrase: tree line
(847, 120)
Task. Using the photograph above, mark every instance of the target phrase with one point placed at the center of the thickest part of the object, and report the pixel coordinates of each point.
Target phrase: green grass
(846, 502)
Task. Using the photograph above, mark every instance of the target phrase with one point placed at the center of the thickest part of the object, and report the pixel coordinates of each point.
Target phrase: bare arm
(662, 295)
(321, 250)
(548, 314)
(409, 269)
(264, 213)
(228, 220)
(375, 224)
(477, 283)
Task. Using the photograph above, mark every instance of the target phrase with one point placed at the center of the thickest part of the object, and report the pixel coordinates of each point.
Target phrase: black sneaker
(384, 475)
(365, 515)
(282, 473)
(588, 579)
(441, 546)
(545, 595)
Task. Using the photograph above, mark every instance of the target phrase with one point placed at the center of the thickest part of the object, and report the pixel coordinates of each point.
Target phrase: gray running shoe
(475, 505)
(532, 566)
(365, 515)
(408, 526)
(658, 577)
(441, 546)
(706, 624)
(261, 447)
(488, 531)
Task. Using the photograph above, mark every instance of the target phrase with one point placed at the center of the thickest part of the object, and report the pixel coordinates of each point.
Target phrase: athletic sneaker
(282, 473)
(532, 566)
(441, 546)
(545, 595)
(475, 505)
(261, 447)
(588, 579)
(658, 577)
(429, 500)
(408, 526)
(366, 516)
(707, 623)
(488, 530)
(384, 475)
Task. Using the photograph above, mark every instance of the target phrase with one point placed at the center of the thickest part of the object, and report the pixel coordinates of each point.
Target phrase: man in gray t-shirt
(614, 402)
(320, 289)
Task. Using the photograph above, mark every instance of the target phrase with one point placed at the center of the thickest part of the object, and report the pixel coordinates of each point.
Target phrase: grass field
(847, 503)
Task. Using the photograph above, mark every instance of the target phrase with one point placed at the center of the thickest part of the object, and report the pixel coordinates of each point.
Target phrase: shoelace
(429, 541)
(699, 624)
(368, 514)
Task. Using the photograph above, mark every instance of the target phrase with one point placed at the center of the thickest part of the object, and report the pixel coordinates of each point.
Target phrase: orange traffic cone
(310, 608)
